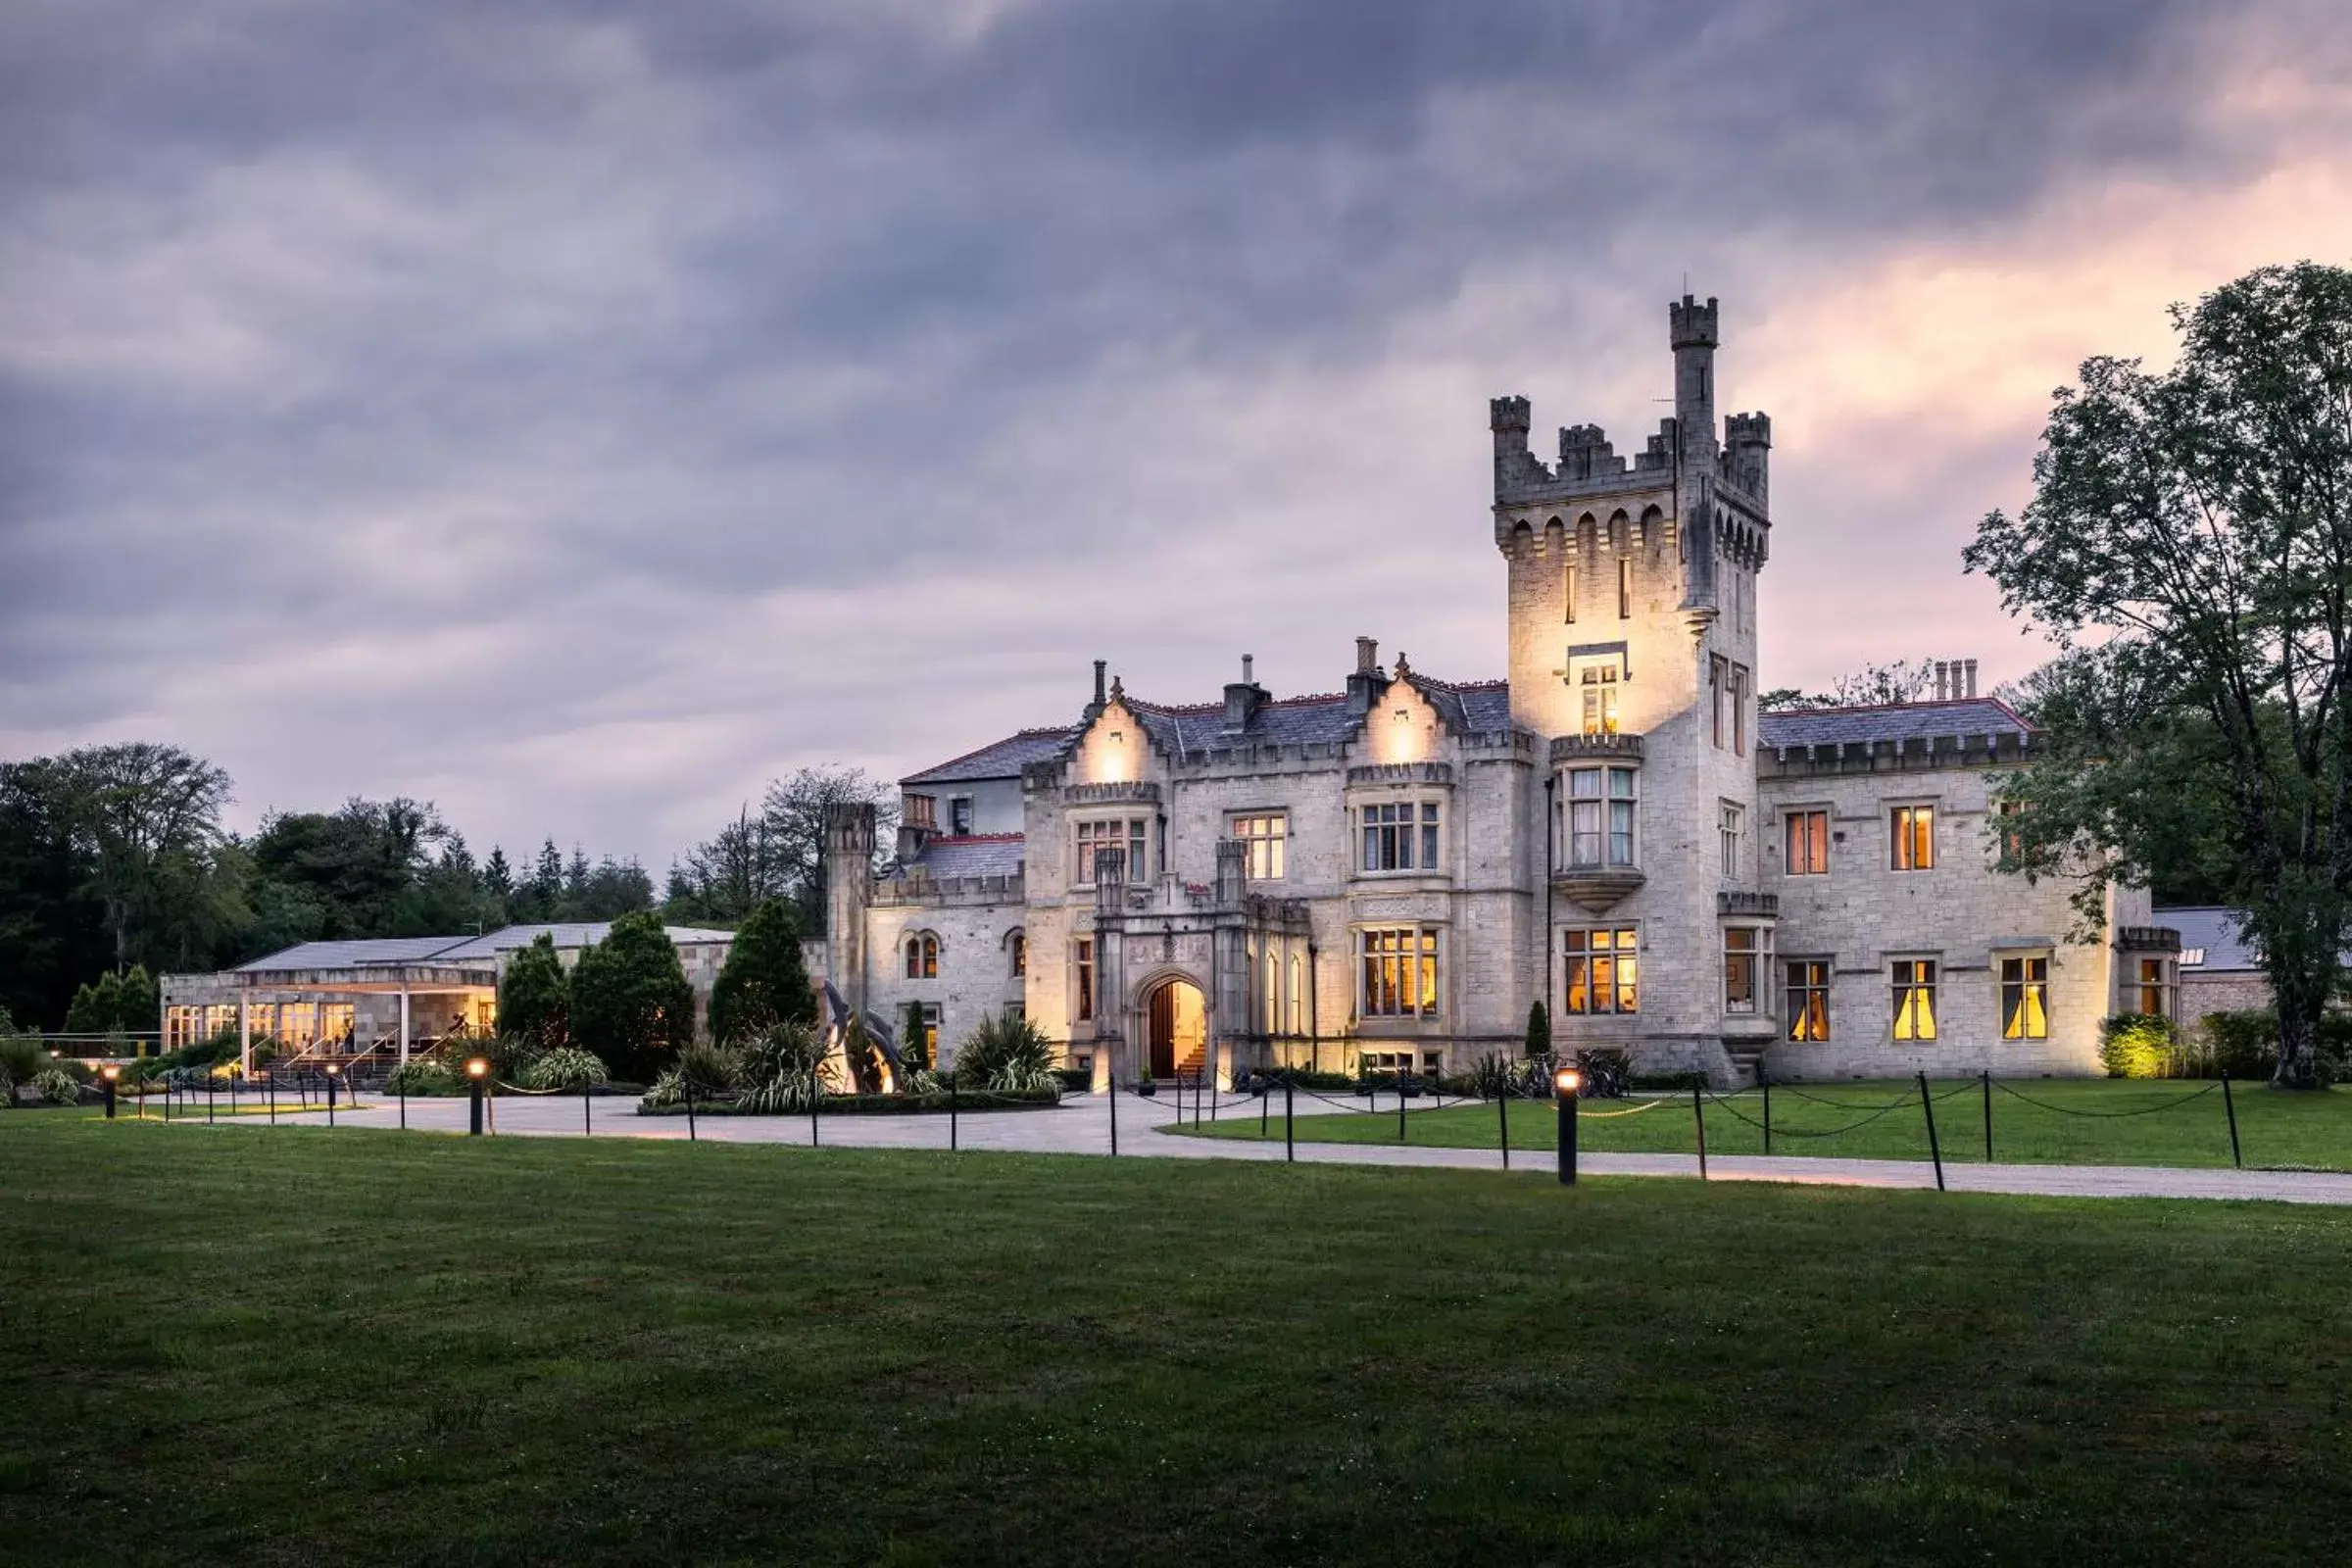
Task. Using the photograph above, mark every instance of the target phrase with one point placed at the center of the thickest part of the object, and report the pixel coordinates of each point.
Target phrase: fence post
(1400, 1138)
(1699, 1116)
(1988, 1077)
(686, 1082)
(404, 1104)
(1289, 1142)
(955, 1133)
(1266, 1106)
(2230, 1108)
(1502, 1116)
(1926, 1103)
(1114, 1098)
(587, 1115)
(404, 1107)
(1213, 1100)
(168, 1091)
(1764, 1082)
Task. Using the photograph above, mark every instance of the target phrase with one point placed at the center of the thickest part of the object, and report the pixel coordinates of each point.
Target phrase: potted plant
(1146, 1087)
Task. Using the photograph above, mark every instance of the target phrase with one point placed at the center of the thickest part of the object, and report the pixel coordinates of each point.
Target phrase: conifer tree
(763, 982)
(534, 997)
(1539, 1031)
(631, 1003)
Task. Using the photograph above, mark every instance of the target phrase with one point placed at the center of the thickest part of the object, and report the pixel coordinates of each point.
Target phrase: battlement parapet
(916, 888)
(1693, 325)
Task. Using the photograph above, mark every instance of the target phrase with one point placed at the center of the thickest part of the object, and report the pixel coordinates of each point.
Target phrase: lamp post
(110, 1072)
(476, 1069)
(1565, 1083)
(331, 1071)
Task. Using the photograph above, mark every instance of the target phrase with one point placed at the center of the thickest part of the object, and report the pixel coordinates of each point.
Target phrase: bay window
(1111, 833)
(1400, 836)
(1400, 972)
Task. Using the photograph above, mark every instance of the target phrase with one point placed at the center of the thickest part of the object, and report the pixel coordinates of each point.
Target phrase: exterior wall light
(1565, 1083)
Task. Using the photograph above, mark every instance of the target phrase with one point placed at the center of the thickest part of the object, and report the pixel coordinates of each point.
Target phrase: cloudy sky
(578, 414)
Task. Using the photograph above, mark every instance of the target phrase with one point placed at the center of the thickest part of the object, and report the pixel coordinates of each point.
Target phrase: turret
(849, 892)
(1691, 330)
(1748, 438)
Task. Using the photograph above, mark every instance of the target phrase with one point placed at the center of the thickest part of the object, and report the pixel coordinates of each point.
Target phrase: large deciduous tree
(631, 1003)
(2189, 545)
(763, 982)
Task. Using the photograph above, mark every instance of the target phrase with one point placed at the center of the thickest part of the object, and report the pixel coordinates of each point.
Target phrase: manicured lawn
(2059, 1121)
(294, 1345)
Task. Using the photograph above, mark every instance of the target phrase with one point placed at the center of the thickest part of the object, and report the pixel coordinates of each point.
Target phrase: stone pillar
(1110, 967)
(404, 1025)
(849, 895)
(244, 1035)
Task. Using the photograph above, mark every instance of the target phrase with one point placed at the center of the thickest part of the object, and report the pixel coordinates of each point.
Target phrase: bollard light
(110, 1072)
(1565, 1083)
(476, 1069)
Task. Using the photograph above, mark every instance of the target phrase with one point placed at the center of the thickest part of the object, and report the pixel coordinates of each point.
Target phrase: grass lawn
(237, 1344)
(2277, 1129)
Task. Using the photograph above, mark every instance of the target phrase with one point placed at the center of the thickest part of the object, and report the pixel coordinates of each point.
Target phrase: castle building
(1386, 877)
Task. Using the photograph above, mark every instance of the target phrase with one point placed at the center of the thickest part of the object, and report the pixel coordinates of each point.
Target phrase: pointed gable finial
(1118, 690)
(1404, 670)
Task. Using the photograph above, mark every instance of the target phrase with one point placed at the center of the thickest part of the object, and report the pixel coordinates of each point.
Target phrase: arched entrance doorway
(1178, 1034)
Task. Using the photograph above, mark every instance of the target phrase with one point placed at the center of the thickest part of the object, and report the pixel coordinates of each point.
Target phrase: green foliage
(782, 1069)
(765, 982)
(422, 1076)
(631, 1005)
(2245, 1046)
(22, 1058)
(2139, 1044)
(566, 1067)
(96, 1007)
(1006, 1053)
(55, 1086)
(534, 997)
(914, 1037)
(712, 1069)
(1538, 1030)
(778, 852)
(2189, 544)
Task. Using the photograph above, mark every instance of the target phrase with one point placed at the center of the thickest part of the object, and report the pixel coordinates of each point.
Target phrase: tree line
(115, 868)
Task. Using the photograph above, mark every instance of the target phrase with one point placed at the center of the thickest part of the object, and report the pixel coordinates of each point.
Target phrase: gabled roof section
(567, 935)
(1474, 707)
(1002, 759)
(2211, 937)
(1889, 721)
(973, 854)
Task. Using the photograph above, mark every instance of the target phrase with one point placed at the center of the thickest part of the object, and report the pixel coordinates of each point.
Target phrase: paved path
(1081, 1125)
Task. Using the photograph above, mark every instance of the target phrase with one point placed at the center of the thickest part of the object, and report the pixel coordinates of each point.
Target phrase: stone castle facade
(1386, 877)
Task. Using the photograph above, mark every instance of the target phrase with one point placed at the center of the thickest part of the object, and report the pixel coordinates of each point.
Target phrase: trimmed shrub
(567, 1067)
(631, 1005)
(534, 997)
(55, 1086)
(423, 1077)
(763, 982)
(21, 1058)
(1007, 1053)
(914, 1037)
(1075, 1080)
(1306, 1078)
(2139, 1045)
(1539, 1031)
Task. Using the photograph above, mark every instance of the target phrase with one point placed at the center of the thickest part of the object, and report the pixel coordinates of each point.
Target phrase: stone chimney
(1364, 687)
(1243, 699)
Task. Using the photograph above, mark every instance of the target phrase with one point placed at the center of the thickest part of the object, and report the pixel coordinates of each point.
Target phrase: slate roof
(1474, 707)
(1889, 721)
(2212, 931)
(348, 955)
(392, 951)
(1002, 759)
(977, 855)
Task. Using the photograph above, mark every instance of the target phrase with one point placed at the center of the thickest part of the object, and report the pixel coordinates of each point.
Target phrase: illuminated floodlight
(1568, 1080)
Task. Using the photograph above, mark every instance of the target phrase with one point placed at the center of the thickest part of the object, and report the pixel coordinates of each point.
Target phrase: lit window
(1733, 823)
(1914, 998)
(1081, 960)
(1265, 836)
(930, 1031)
(1400, 972)
(1599, 686)
(2155, 988)
(1400, 836)
(922, 956)
(1269, 989)
(1808, 843)
(2025, 999)
(1111, 833)
(1019, 949)
(2013, 842)
(1913, 831)
(1602, 972)
(1296, 997)
(1739, 709)
(1808, 997)
(1746, 961)
(959, 815)
(1601, 828)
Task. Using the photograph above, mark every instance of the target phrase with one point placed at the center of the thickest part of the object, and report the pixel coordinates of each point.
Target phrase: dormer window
(959, 815)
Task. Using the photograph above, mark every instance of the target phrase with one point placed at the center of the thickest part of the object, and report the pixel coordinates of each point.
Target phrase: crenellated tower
(1633, 651)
